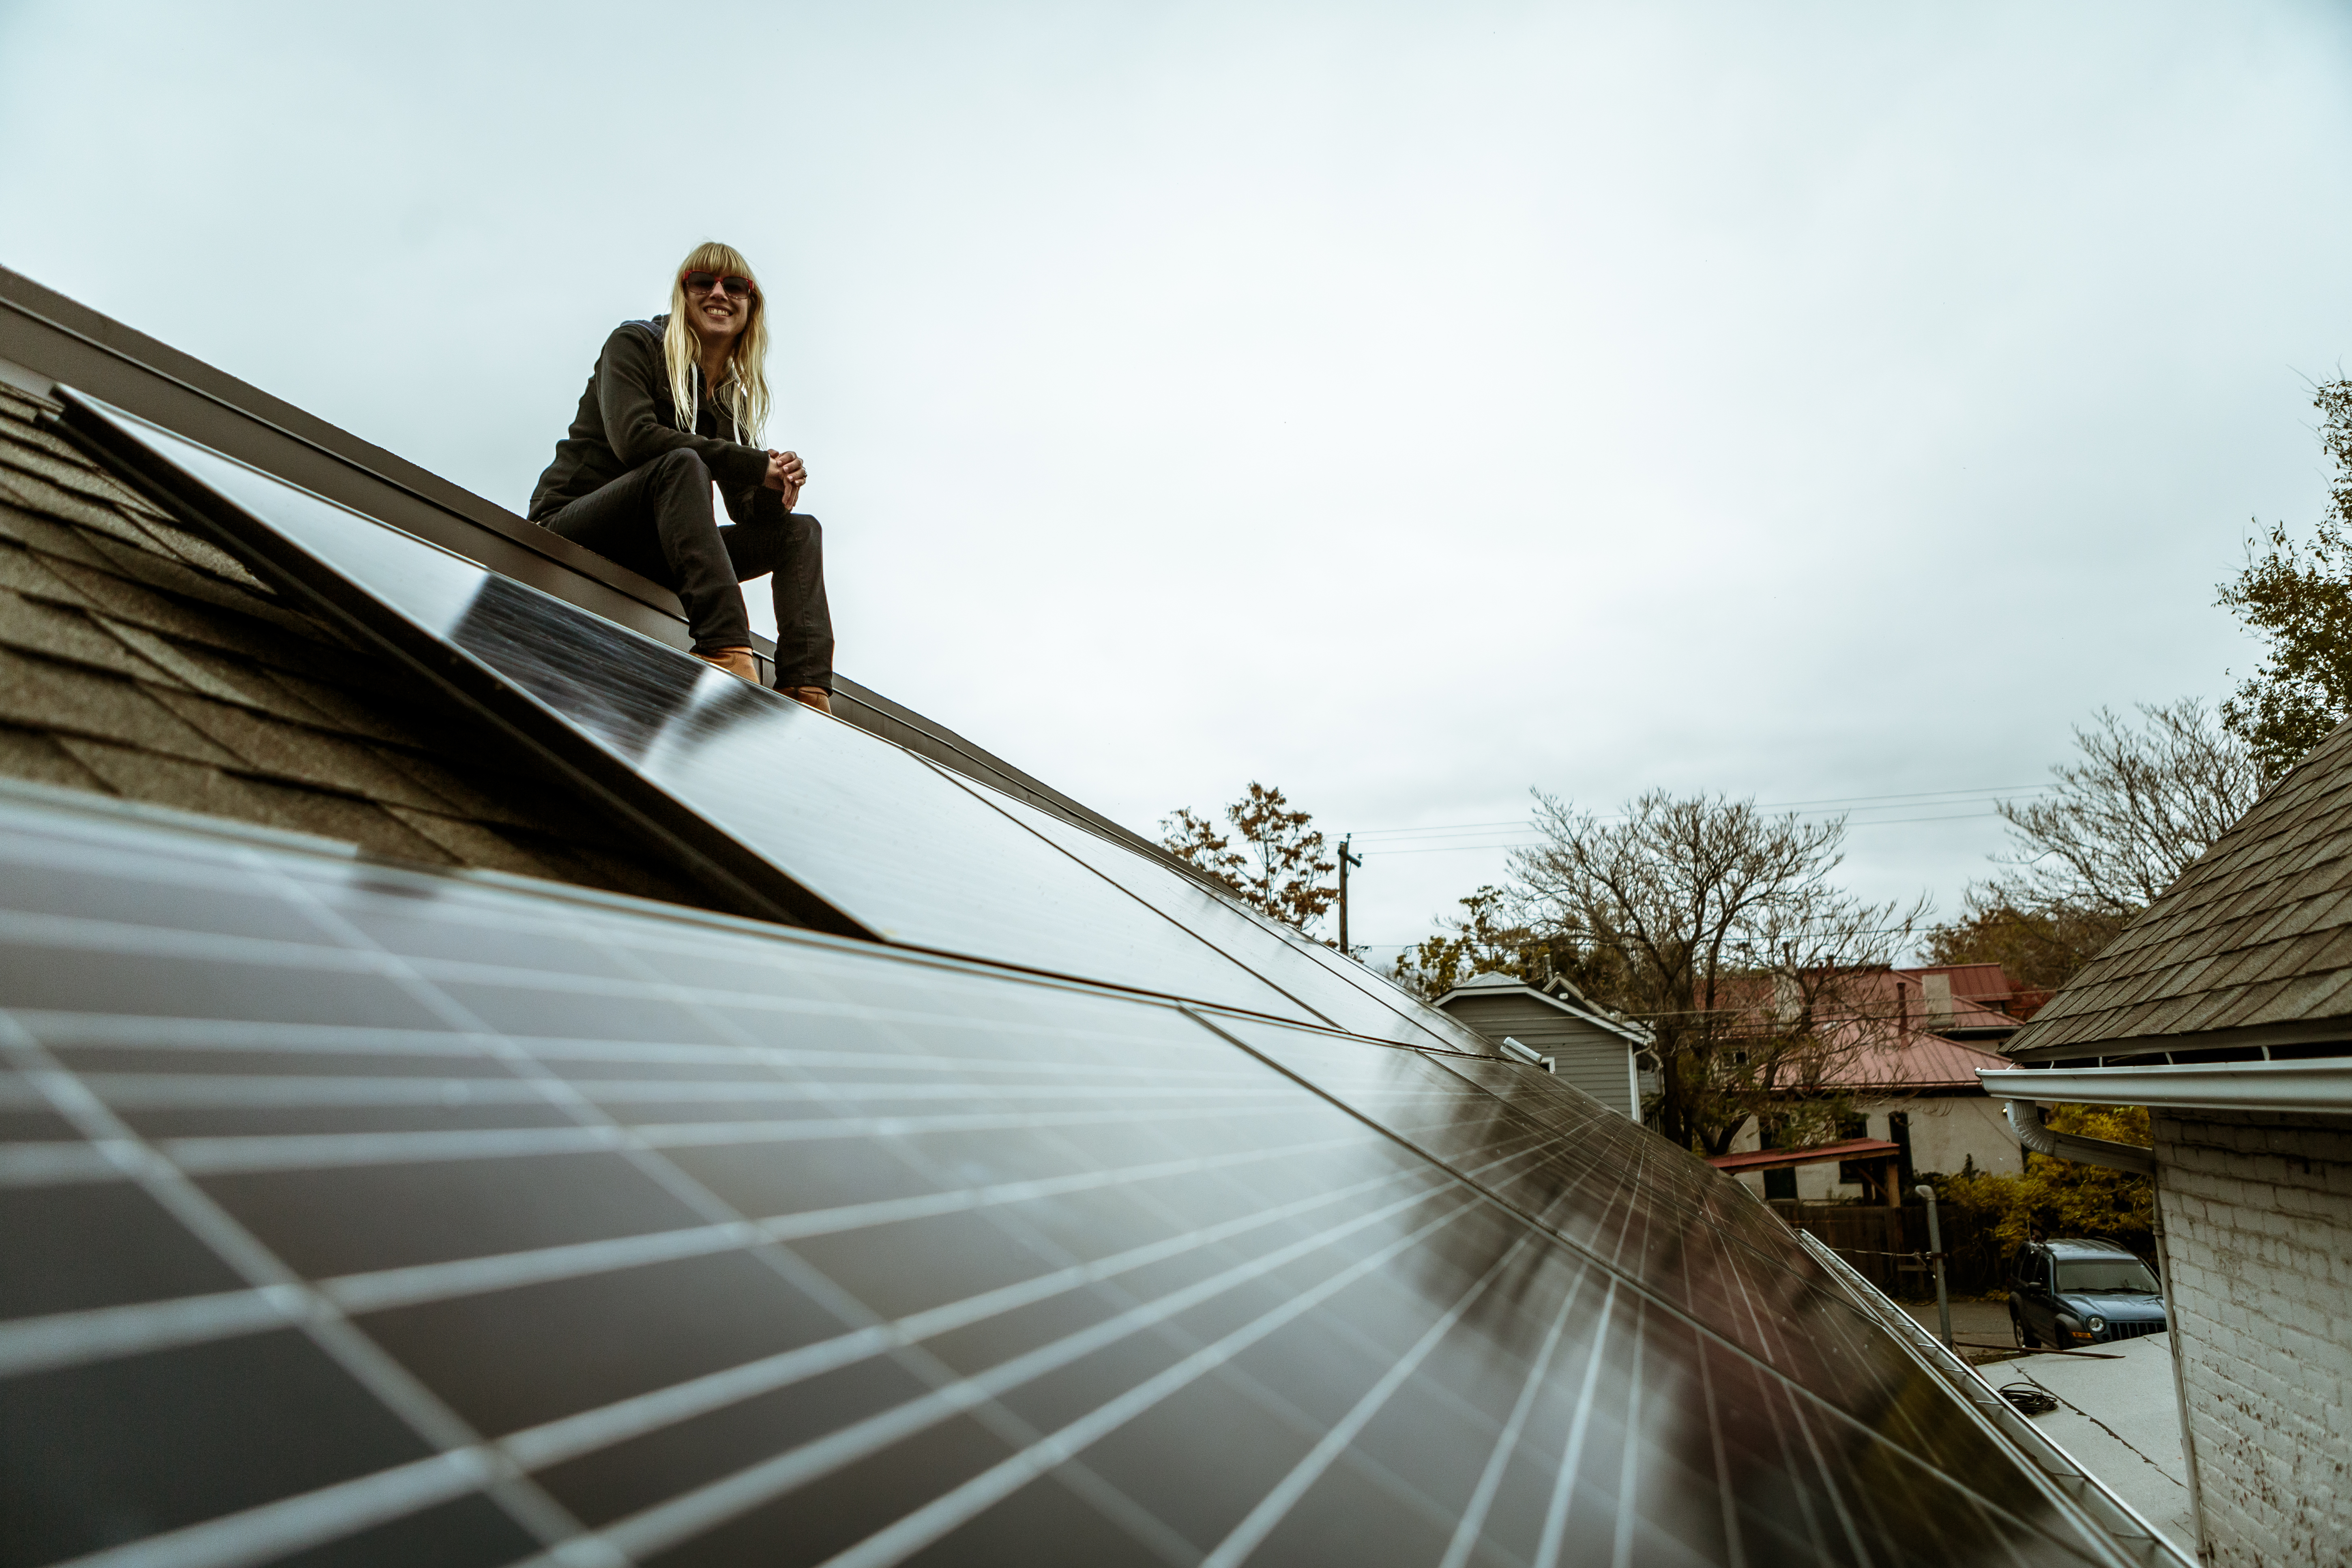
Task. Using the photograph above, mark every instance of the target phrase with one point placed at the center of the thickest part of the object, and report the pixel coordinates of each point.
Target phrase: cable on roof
(2029, 1398)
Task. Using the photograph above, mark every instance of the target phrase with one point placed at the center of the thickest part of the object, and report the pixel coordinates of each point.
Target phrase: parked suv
(2073, 1291)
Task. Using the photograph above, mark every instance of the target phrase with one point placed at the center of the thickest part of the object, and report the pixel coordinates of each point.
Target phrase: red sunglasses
(735, 284)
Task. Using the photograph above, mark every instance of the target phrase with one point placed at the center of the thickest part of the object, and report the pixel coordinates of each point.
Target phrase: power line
(1538, 843)
(1857, 802)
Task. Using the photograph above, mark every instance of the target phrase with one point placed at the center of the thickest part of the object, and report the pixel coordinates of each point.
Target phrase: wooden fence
(1888, 1246)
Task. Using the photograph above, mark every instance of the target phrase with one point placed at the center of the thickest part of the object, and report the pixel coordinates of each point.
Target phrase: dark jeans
(658, 522)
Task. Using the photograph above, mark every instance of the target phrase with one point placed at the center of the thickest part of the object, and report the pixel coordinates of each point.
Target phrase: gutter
(2323, 1085)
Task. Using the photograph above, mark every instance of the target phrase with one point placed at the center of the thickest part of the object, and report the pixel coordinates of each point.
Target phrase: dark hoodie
(626, 419)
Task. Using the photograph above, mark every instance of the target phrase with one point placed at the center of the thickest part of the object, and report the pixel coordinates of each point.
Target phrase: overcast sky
(1406, 405)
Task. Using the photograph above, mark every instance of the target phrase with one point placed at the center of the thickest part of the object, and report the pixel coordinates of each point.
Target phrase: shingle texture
(2258, 931)
(139, 660)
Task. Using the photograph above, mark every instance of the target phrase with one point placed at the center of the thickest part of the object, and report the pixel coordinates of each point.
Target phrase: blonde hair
(744, 392)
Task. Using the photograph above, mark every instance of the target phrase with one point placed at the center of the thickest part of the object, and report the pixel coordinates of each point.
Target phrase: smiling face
(715, 313)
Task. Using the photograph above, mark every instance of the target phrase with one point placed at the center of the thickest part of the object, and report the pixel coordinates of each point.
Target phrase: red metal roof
(1914, 1062)
(1774, 1159)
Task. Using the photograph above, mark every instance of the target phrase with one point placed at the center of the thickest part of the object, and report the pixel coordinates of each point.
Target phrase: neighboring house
(1594, 1052)
(1918, 1090)
(2226, 1009)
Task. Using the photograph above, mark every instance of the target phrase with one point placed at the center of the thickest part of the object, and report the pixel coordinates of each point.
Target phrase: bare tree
(1280, 867)
(2039, 946)
(2129, 817)
(1758, 979)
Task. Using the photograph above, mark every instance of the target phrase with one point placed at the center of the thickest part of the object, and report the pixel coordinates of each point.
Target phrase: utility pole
(1347, 859)
(1936, 1252)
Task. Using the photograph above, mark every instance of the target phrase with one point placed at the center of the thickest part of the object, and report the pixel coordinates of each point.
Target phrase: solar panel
(871, 831)
(367, 1215)
(1341, 991)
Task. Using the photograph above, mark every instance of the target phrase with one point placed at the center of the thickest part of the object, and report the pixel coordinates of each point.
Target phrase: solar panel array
(358, 1213)
(388, 1216)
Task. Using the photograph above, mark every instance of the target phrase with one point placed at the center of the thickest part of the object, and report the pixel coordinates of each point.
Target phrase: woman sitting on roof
(675, 403)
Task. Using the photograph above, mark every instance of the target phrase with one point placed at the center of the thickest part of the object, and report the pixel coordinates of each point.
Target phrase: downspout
(2025, 1119)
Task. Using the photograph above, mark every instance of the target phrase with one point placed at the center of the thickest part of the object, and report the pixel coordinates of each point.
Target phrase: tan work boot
(815, 697)
(736, 661)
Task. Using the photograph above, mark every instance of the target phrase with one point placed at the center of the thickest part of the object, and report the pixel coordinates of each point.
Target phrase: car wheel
(2025, 1340)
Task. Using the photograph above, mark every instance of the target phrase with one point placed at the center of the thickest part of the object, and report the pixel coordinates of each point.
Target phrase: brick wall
(2258, 1220)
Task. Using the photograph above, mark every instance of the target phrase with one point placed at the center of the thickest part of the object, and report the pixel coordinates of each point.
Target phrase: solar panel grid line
(1250, 1388)
(1260, 1522)
(1521, 1143)
(1726, 1235)
(2058, 1472)
(1793, 1391)
(280, 1529)
(116, 937)
(1826, 1483)
(300, 1151)
(669, 1523)
(1629, 1472)
(1466, 1529)
(1726, 1498)
(572, 1436)
(1766, 1333)
(1138, 1521)
(266, 1035)
(209, 1091)
(934, 1520)
(60, 1339)
(793, 1267)
(1555, 1523)
(643, 1152)
(55, 1164)
(384, 1378)
(2085, 1498)
(102, 1031)
(1344, 1331)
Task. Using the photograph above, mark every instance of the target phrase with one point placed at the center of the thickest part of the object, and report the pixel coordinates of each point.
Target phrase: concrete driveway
(2120, 1420)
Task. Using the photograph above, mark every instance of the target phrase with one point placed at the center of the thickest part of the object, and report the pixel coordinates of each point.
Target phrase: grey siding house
(1594, 1053)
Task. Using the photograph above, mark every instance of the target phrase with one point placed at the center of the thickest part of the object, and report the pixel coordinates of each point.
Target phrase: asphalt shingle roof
(2257, 931)
(137, 659)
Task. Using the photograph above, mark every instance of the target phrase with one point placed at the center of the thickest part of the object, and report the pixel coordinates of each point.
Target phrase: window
(2123, 1276)
(1781, 1184)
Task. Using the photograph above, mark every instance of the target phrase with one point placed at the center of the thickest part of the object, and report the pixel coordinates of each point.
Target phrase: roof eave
(2296, 1032)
